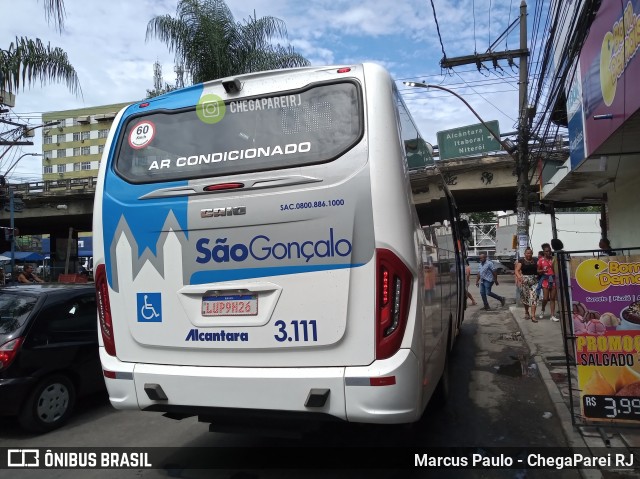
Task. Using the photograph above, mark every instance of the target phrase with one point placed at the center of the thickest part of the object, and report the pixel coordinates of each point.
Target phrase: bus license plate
(235, 305)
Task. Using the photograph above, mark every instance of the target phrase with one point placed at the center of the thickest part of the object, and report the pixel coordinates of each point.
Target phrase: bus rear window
(286, 130)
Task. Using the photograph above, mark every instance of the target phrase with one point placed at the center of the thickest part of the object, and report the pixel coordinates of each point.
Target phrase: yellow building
(73, 148)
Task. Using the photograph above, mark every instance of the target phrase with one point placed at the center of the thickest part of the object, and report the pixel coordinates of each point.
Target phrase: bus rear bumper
(386, 392)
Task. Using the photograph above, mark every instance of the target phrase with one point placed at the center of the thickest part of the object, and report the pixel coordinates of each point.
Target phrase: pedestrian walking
(527, 280)
(467, 275)
(429, 281)
(487, 276)
(548, 281)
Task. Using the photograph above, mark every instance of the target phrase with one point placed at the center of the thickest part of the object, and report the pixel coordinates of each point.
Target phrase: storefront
(603, 121)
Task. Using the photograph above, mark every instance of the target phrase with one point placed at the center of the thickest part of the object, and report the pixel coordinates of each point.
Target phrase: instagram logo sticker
(210, 108)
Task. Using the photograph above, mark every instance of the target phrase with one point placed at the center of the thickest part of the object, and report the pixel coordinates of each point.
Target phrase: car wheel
(49, 405)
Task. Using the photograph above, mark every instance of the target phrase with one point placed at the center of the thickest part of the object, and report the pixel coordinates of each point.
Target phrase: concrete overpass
(485, 183)
(47, 207)
(51, 207)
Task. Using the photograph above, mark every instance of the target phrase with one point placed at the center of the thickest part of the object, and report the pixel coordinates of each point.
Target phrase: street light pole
(520, 154)
(13, 165)
(508, 148)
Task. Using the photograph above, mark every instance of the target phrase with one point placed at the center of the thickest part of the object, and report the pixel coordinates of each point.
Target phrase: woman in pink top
(548, 280)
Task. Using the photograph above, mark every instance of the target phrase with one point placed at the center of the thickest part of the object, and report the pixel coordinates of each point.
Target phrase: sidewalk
(546, 345)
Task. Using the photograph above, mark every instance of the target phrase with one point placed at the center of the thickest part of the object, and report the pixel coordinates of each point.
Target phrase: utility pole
(22, 128)
(522, 156)
(12, 227)
(522, 160)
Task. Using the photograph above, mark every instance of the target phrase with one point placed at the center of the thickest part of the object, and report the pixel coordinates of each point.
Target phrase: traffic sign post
(469, 140)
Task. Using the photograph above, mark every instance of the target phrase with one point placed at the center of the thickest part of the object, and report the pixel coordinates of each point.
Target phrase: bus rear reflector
(104, 310)
(384, 381)
(393, 294)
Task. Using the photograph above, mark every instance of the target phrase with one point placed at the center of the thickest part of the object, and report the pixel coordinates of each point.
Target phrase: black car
(48, 352)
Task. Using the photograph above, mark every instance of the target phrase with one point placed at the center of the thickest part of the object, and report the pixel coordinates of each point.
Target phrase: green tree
(210, 44)
(484, 218)
(27, 61)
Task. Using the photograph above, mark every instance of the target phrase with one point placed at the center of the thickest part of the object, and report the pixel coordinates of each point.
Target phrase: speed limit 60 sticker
(142, 134)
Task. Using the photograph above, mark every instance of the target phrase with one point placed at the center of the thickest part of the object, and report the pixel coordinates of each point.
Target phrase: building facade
(73, 148)
(602, 115)
(577, 231)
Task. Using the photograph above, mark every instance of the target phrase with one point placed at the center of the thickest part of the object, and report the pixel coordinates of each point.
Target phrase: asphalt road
(496, 400)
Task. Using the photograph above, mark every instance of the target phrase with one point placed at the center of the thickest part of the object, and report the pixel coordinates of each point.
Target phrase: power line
(562, 73)
(509, 23)
(475, 45)
(429, 75)
(490, 103)
(489, 22)
(438, 28)
(412, 98)
(482, 82)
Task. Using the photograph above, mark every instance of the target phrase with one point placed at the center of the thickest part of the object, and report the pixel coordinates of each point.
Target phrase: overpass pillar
(64, 252)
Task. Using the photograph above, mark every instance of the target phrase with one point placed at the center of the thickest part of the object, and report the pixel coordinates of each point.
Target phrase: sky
(106, 43)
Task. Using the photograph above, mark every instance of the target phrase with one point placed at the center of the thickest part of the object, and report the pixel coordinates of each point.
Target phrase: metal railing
(483, 238)
(61, 186)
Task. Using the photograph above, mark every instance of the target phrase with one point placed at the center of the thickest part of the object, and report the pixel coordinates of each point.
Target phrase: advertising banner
(575, 117)
(605, 294)
(610, 66)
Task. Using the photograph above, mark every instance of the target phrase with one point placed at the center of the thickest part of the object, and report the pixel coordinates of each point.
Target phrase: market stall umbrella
(22, 256)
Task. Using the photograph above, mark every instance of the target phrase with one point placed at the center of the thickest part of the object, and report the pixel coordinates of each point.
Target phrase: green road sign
(469, 140)
(419, 153)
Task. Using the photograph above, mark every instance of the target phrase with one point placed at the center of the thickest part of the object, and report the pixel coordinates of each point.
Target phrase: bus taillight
(392, 302)
(104, 310)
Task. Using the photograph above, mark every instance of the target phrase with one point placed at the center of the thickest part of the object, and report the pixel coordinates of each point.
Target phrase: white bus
(258, 254)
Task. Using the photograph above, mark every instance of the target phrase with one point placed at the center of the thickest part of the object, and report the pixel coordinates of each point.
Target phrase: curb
(574, 440)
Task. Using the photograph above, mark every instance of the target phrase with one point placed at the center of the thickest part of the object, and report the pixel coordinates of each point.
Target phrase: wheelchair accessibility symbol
(149, 308)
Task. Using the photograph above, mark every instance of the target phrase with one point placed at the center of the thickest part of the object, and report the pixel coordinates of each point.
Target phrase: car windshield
(14, 310)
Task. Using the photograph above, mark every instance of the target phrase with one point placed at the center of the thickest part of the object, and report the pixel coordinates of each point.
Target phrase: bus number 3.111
(296, 331)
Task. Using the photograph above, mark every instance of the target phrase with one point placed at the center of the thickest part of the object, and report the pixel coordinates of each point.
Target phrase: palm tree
(210, 44)
(27, 61)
